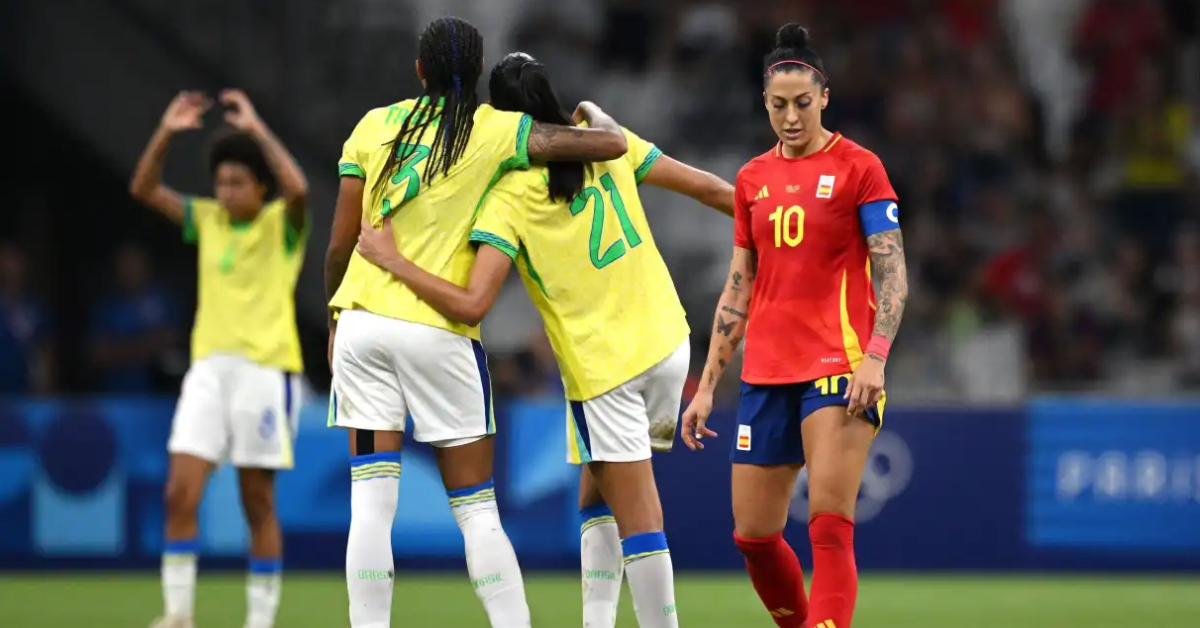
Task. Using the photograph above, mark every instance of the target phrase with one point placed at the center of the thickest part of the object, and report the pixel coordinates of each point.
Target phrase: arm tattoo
(729, 310)
(891, 275)
(737, 280)
(723, 327)
(564, 142)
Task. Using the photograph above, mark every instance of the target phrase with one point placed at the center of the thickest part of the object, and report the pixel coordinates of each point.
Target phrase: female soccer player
(580, 239)
(815, 220)
(429, 161)
(238, 396)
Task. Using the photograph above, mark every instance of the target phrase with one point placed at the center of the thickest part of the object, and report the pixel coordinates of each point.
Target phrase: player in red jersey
(815, 220)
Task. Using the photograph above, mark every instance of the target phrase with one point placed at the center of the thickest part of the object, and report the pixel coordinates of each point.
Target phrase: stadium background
(1045, 436)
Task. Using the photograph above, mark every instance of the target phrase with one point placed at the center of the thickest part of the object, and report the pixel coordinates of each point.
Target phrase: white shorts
(385, 369)
(632, 420)
(234, 409)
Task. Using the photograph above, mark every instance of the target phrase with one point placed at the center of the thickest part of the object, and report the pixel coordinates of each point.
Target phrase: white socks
(179, 577)
(263, 590)
(491, 561)
(602, 565)
(179, 584)
(374, 491)
(651, 580)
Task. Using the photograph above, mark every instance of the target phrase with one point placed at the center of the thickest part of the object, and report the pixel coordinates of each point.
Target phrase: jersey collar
(824, 149)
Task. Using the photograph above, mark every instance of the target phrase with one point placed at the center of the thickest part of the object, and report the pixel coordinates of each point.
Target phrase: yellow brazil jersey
(248, 271)
(592, 270)
(431, 220)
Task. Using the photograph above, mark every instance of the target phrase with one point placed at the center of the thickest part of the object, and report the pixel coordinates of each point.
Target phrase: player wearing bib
(425, 163)
(580, 240)
(815, 222)
(240, 396)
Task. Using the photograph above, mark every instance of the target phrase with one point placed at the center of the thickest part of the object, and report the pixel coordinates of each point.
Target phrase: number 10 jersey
(807, 221)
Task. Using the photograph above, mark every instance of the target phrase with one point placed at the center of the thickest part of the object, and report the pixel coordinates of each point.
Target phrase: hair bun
(791, 35)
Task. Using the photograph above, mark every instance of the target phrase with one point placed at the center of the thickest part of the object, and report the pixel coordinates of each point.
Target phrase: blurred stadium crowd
(1047, 156)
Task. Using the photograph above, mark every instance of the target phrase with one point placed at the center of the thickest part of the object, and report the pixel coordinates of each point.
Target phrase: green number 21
(407, 173)
(615, 250)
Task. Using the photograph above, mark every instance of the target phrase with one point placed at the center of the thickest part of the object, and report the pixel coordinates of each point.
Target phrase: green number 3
(615, 250)
(407, 173)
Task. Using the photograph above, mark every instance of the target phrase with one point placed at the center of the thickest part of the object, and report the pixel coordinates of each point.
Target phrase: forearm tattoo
(563, 142)
(729, 326)
(891, 276)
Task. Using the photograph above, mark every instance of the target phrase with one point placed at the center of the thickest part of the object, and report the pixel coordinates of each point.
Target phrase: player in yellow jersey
(239, 397)
(425, 163)
(580, 240)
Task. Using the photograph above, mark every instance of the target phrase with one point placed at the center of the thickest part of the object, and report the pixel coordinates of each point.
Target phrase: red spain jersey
(807, 220)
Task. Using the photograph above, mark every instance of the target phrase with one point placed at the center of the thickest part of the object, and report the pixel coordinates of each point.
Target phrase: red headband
(786, 61)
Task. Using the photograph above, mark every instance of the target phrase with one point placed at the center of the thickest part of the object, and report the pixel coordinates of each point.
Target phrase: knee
(182, 499)
(259, 508)
(589, 496)
(752, 546)
(831, 530)
(823, 499)
(755, 529)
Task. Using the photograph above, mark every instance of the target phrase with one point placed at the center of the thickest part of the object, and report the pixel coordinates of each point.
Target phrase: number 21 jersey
(813, 303)
(591, 268)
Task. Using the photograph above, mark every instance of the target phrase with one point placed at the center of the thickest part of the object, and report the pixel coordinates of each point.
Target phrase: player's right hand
(695, 419)
(186, 111)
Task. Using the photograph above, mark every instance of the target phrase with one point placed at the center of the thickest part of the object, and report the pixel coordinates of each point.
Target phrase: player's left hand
(866, 385)
(378, 246)
(241, 113)
(584, 112)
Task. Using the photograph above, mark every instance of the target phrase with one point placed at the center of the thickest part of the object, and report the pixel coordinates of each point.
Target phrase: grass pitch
(436, 601)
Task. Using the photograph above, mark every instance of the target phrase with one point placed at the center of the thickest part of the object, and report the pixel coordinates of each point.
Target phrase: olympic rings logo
(888, 472)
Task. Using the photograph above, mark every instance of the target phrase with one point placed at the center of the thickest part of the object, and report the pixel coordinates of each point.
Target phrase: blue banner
(1114, 479)
(1061, 484)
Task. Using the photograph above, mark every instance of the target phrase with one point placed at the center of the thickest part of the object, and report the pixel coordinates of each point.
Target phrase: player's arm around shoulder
(467, 305)
(601, 140)
(496, 235)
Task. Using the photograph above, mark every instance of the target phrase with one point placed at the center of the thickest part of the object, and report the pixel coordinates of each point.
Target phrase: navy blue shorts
(769, 417)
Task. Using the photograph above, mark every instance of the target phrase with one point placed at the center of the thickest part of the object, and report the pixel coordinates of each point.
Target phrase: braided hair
(451, 54)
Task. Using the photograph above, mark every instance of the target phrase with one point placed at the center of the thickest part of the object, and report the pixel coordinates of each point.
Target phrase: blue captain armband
(879, 216)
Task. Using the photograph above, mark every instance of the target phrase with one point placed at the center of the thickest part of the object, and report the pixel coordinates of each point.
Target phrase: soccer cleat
(172, 621)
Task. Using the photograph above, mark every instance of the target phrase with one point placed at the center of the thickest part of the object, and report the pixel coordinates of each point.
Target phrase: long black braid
(451, 54)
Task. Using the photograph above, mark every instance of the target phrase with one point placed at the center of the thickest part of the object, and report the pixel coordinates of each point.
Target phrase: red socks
(835, 578)
(775, 573)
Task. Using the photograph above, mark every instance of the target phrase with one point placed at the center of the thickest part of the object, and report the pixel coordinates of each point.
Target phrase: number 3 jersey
(431, 219)
(591, 268)
(807, 221)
